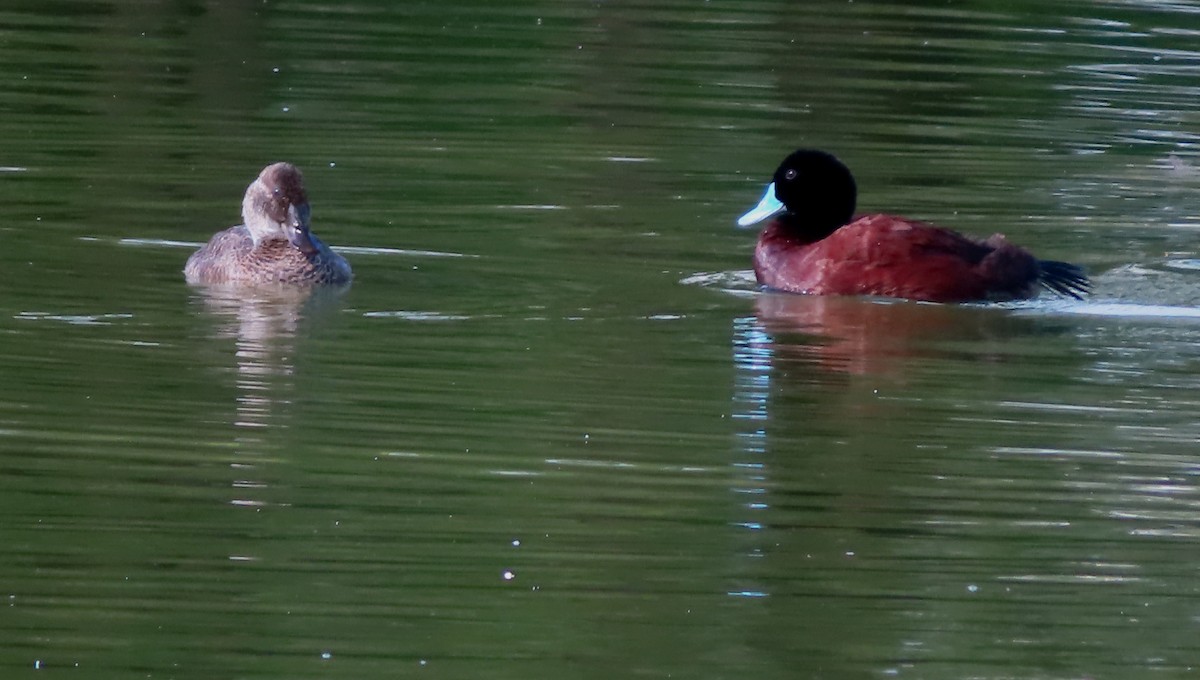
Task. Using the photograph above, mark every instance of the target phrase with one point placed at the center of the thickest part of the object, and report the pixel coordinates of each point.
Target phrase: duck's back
(230, 256)
(890, 256)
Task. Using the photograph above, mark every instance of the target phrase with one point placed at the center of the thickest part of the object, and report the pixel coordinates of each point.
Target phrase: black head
(813, 190)
(816, 188)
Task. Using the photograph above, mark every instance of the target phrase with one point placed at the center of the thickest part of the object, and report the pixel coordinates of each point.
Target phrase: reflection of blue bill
(752, 352)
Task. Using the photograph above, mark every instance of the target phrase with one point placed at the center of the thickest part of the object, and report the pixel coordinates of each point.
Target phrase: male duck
(274, 244)
(812, 246)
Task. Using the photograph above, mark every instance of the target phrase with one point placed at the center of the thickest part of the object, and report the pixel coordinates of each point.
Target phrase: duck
(815, 245)
(274, 244)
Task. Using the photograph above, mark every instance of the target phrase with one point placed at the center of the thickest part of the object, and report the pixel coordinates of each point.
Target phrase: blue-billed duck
(815, 245)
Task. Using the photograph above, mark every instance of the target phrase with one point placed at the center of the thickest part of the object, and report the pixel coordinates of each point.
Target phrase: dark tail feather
(1064, 278)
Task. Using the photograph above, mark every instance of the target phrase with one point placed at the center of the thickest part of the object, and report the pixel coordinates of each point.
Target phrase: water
(553, 430)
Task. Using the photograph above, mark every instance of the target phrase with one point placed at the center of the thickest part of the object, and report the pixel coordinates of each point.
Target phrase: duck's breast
(231, 257)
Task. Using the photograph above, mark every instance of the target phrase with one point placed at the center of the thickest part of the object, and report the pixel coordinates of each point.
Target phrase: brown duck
(274, 244)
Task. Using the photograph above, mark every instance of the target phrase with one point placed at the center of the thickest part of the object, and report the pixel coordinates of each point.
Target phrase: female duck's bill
(296, 227)
(769, 206)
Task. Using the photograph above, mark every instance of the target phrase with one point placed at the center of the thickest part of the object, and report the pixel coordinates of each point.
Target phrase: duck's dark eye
(790, 174)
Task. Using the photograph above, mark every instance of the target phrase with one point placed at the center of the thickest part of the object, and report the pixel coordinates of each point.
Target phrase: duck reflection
(264, 323)
(825, 384)
(838, 348)
(862, 336)
(856, 420)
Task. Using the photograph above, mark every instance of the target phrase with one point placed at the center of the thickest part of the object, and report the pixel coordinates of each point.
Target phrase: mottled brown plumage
(274, 244)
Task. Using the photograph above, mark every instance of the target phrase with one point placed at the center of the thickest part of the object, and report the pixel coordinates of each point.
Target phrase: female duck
(274, 244)
(814, 247)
